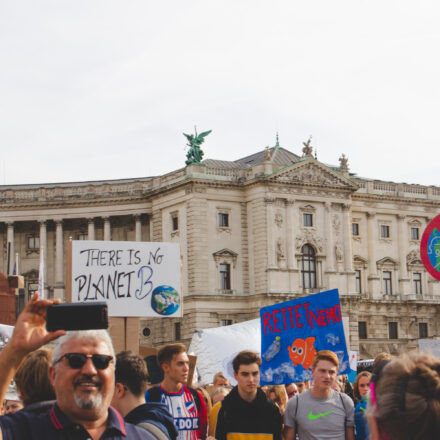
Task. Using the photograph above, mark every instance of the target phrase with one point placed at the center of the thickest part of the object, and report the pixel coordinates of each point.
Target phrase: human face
(12, 406)
(291, 390)
(221, 382)
(83, 393)
(248, 378)
(301, 387)
(324, 375)
(178, 368)
(363, 385)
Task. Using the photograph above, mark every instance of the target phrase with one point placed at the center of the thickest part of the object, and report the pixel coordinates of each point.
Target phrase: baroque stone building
(259, 230)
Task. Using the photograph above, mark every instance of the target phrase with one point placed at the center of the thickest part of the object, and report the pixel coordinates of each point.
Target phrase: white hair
(96, 335)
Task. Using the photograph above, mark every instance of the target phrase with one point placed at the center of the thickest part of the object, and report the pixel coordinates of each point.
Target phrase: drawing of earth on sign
(165, 300)
(434, 249)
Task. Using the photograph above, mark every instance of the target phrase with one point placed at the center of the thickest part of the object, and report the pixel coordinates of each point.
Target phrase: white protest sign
(134, 278)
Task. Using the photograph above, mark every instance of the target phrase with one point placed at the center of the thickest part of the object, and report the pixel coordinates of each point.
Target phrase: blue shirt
(54, 424)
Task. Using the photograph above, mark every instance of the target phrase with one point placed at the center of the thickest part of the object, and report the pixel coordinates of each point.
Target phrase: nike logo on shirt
(317, 416)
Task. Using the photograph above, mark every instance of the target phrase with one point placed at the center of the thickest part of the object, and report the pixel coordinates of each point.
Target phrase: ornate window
(388, 270)
(415, 234)
(307, 213)
(358, 275)
(387, 282)
(417, 283)
(174, 219)
(384, 231)
(423, 330)
(360, 269)
(225, 276)
(307, 220)
(225, 261)
(392, 330)
(177, 331)
(414, 230)
(362, 327)
(355, 229)
(308, 267)
(225, 322)
(223, 220)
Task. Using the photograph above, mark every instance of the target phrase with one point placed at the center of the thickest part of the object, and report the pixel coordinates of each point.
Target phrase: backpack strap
(345, 409)
(196, 397)
(154, 430)
(154, 394)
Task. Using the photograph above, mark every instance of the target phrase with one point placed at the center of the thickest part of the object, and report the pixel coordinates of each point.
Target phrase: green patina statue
(195, 154)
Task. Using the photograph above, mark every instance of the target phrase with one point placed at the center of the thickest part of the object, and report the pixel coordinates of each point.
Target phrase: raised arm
(29, 334)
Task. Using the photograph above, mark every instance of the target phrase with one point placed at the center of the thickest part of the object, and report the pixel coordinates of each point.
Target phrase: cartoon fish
(302, 352)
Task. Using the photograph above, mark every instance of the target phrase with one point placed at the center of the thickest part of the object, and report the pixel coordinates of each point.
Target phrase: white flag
(41, 274)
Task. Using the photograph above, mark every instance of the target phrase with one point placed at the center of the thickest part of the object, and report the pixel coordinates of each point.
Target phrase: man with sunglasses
(83, 376)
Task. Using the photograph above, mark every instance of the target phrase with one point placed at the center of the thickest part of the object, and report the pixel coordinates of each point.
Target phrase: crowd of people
(83, 390)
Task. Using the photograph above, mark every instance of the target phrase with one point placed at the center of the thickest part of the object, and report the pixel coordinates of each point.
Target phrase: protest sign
(294, 331)
(134, 278)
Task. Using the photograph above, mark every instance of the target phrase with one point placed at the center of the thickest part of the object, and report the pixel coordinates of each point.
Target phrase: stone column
(271, 257)
(43, 251)
(91, 228)
(346, 233)
(59, 261)
(373, 279)
(290, 234)
(329, 234)
(403, 250)
(10, 239)
(138, 227)
(107, 231)
(371, 241)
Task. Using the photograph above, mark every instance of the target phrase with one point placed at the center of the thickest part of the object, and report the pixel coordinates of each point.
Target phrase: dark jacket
(240, 417)
(39, 407)
(156, 414)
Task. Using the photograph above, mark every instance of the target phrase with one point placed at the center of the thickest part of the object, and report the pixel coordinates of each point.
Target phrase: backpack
(154, 396)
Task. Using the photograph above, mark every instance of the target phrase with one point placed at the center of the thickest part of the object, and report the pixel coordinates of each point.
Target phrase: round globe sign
(165, 300)
(430, 248)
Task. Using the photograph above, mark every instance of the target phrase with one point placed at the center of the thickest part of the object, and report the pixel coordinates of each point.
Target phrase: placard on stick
(137, 279)
(294, 331)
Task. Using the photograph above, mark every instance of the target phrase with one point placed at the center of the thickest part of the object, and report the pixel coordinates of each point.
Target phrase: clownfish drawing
(302, 352)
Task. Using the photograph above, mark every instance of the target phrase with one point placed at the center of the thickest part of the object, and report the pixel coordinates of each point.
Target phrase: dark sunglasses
(78, 360)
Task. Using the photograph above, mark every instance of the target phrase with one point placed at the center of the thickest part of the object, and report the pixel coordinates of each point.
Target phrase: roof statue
(278, 141)
(344, 163)
(308, 149)
(195, 153)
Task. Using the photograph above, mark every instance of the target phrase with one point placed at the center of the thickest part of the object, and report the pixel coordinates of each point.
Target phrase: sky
(104, 89)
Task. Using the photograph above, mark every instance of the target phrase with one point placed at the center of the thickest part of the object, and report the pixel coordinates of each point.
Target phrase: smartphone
(77, 316)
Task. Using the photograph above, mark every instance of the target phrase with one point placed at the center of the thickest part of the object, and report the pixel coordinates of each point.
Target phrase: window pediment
(387, 262)
(225, 255)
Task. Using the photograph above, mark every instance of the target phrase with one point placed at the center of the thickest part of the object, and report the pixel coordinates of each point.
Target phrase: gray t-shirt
(320, 419)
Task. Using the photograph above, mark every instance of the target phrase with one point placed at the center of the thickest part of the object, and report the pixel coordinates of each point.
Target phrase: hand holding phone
(77, 316)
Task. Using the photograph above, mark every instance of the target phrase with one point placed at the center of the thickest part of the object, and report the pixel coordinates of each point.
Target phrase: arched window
(308, 267)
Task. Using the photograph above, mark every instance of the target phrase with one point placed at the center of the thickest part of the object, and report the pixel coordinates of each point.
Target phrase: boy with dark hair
(185, 404)
(320, 412)
(246, 411)
(131, 377)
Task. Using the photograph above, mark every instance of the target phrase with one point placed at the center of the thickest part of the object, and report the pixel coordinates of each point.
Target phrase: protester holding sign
(321, 412)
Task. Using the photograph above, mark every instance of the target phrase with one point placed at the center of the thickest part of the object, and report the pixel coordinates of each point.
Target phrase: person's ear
(119, 390)
(165, 367)
(52, 373)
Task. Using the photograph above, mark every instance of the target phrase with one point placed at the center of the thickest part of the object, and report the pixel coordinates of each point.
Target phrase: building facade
(253, 232)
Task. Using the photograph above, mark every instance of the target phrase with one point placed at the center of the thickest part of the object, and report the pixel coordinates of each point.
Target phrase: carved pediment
(225, 255)
(386, 261)
(413, 258)
(312, 172)
(309, 237)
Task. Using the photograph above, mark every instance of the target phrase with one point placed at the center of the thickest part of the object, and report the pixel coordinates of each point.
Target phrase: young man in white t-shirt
(320, 413)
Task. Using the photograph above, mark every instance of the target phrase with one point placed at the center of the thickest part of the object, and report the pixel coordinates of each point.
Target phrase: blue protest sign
(293, 331)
